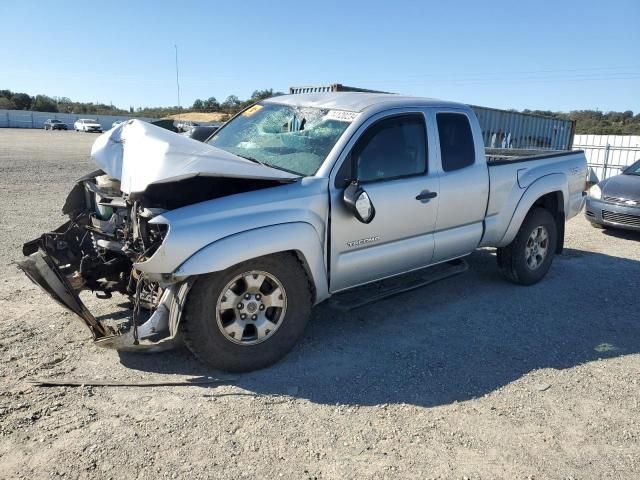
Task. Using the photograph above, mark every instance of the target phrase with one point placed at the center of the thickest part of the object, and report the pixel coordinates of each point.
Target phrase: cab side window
(392, 148)
(456, 141)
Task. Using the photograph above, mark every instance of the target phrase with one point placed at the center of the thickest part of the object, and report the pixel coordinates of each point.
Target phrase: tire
(516, 260)
(203, 324)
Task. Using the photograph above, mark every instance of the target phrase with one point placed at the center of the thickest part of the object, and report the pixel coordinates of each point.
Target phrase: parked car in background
(229, 243)
(615, 202)
(186, 125)
(166, 123)
(52, 124)
(201, 133)
(87, 125)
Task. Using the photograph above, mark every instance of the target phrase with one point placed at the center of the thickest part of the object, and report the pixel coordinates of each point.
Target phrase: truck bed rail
(502, 156)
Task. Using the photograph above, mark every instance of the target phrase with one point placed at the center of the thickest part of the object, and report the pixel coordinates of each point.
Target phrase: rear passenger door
(464, 184)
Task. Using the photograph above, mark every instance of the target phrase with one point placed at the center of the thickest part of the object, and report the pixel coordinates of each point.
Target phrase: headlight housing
(595, 192)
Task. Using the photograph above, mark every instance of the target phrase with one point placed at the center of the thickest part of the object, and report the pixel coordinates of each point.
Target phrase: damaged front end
(144, 171)
(107, 233)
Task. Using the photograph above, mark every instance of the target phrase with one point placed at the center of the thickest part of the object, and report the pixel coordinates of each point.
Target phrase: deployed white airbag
(140, 154)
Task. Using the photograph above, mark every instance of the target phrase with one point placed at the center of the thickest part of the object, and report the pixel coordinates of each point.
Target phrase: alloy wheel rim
(537, 247)
(251, 307)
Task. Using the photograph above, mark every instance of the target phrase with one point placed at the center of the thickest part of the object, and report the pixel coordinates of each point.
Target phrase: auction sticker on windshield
(341, 115)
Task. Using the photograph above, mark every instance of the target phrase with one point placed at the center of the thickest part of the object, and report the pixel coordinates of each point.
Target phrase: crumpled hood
(140, 154)
(622, 186)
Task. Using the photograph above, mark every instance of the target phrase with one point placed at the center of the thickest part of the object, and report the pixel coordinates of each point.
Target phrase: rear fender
(297, 237)
(556, 182)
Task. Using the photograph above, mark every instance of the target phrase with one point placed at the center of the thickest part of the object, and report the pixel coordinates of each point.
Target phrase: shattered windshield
(295, 139)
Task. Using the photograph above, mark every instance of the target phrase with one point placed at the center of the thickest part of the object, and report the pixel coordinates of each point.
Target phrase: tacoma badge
(362, 241)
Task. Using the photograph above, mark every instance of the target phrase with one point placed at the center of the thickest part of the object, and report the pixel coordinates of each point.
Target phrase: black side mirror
(357, 200)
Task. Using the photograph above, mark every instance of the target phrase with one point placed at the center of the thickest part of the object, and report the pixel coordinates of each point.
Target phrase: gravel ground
(469, 378)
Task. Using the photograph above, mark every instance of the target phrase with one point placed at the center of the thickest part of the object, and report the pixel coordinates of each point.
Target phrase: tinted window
(392, 148)
(456, 141)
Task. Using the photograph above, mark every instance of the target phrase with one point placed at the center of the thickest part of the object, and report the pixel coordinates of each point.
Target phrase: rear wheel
(248, 316)
(528, 258)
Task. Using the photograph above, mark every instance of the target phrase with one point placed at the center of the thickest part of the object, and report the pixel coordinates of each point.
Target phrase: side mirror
(357, 200)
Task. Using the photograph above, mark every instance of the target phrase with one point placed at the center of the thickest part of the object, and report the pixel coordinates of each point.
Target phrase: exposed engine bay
(95, 250)
(107, 233)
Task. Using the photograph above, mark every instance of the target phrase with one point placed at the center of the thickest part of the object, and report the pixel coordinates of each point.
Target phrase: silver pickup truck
(228, 244)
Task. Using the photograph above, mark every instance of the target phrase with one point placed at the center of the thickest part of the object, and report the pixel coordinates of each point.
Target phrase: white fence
(28, 119)
(608, 155)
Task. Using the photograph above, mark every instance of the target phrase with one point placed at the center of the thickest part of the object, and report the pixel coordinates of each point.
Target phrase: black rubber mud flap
(43, 272)
(373, 292)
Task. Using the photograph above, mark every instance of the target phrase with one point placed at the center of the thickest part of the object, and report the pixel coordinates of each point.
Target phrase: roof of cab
(357, 101)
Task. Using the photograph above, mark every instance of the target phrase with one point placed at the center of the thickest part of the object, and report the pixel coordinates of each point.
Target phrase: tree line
(587, 121)
(598, 123)
(42, 103)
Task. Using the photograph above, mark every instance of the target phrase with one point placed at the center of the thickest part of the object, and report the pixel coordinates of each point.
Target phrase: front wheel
(248, 316)
(527, 259)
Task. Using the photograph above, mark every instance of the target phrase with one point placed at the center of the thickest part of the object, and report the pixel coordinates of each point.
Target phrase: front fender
(556, 182)
(297, 237)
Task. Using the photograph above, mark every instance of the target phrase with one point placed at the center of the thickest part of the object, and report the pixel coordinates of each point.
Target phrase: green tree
(7, 104)
(22, 101)
(231, 104)
(198, 105)
(211, 105)
(258, 95)
(42, 103)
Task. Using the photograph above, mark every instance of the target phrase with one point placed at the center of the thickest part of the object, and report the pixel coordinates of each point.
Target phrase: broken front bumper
(159, 332)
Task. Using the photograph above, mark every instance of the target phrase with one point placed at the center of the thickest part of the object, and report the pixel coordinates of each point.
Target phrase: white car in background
(87, 125)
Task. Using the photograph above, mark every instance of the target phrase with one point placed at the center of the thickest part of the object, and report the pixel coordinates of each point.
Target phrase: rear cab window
(456, 141)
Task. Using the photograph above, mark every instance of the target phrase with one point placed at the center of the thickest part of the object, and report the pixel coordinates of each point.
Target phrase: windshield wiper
(255, 160)
(251, 159)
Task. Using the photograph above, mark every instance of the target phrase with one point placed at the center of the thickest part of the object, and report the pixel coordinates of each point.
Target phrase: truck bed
(511, 172)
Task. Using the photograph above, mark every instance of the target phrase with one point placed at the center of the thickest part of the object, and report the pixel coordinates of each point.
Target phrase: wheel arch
(554, 203)
(549, 192)
(298, 238)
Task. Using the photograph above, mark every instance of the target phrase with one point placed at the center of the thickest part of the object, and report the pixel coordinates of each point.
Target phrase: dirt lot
(469, 378)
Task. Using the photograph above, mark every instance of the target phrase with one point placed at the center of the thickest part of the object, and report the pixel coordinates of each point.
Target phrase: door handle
(426, 195)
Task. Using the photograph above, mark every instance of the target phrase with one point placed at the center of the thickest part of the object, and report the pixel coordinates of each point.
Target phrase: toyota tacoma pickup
(228, 244)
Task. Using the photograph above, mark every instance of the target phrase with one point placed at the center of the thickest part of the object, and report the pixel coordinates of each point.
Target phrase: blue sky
(557, 55)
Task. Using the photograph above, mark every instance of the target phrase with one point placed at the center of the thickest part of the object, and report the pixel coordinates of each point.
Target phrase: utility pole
(177, 77)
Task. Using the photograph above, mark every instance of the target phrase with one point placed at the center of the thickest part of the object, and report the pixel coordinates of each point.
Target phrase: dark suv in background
(52, 124)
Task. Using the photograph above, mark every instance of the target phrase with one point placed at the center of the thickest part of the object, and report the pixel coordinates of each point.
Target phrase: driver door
(390, 159)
